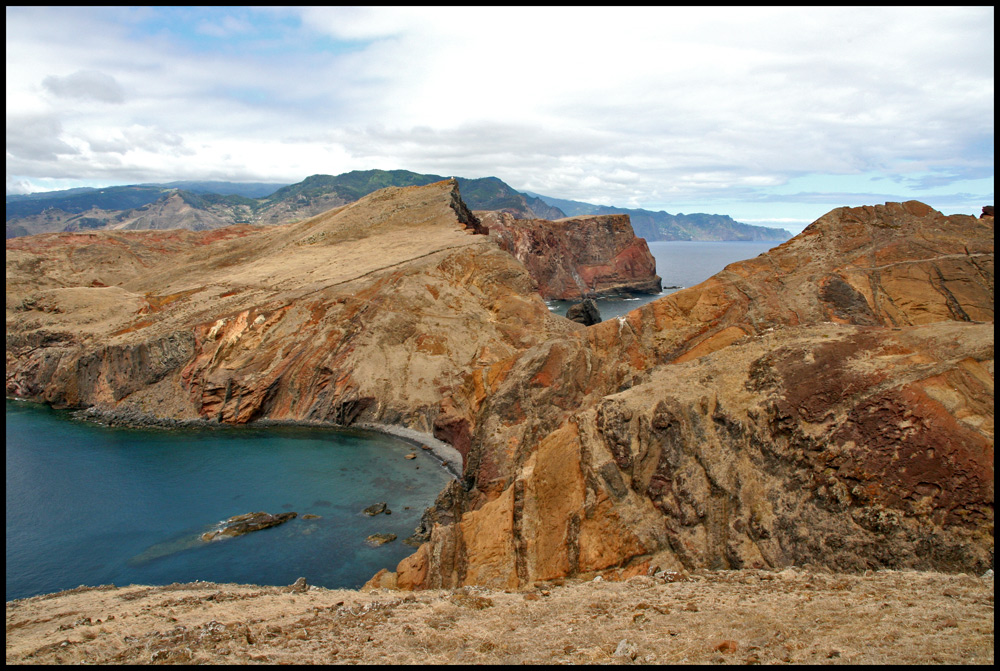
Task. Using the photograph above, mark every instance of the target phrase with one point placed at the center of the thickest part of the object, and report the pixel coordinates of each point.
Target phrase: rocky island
(829, 403)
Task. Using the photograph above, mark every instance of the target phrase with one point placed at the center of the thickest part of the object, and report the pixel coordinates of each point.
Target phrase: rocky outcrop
(585, 312)
(370, 312)
(829, 402)
(239, 525)
(577, 257)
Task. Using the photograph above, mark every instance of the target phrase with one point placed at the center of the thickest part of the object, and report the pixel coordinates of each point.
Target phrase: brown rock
(726, 647)
(761, 418)
(578, 256)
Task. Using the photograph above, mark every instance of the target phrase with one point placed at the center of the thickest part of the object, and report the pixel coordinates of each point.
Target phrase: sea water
(680, 265)
(92, 505)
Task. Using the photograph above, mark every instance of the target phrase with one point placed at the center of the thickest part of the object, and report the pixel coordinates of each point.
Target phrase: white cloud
(652, 107)
(85, 85)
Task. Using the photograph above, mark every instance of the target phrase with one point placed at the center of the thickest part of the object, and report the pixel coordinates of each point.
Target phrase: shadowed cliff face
(368, 312)
(578, 256)
(830, 401)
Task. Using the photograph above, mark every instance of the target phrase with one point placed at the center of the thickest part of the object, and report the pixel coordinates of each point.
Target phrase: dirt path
(736, 617)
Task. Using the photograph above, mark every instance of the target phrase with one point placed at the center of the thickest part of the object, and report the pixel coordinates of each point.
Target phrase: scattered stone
(375, 509)
(380, 539)
(411, 455)
(426, 447)
(626, 649)
(300, 585)
(726, 647)
(471, 601)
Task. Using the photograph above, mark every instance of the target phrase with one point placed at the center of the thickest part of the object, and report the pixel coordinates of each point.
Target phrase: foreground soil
(732, 617)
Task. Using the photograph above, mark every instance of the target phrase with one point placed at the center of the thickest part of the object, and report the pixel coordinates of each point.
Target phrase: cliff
(830, 401)
(574, 257)
(369, 312)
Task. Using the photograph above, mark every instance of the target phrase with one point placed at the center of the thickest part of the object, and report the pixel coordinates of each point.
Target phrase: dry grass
(733, 617)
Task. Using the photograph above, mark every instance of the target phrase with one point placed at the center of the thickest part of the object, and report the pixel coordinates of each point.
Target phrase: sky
(773, 116)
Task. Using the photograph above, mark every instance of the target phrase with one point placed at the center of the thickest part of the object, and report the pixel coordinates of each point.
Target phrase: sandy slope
(735, 617)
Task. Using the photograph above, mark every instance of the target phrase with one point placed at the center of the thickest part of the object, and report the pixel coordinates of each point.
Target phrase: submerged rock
(380, 539)
(375, 509)
(244, 524)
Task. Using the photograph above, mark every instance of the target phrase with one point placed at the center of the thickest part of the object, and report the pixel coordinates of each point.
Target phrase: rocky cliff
(829, 402)
(370, 312)
(576, 257)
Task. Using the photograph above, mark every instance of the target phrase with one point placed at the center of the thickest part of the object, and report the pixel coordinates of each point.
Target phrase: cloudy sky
(773, 116)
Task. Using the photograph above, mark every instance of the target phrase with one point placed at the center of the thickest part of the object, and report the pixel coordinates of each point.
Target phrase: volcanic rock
(578, 256)
(585, 312)
(244, 524)
(829, 402)
(368, 313)
(375, 509)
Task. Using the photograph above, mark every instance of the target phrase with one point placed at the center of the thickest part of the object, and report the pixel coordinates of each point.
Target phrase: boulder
(585, 312)
(375, 509)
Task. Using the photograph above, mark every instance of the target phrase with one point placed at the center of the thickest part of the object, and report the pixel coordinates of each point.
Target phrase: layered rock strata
(367, 313)
(578, 257)
(830, 402)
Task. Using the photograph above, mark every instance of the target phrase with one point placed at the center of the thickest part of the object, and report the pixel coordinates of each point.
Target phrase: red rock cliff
(578, 256)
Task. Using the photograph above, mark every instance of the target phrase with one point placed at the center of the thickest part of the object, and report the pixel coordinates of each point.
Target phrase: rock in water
(381, 539)
(585, 312)
(244, 524)
(375, 509)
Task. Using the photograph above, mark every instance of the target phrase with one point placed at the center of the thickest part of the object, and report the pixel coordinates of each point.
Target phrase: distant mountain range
(202, 205)
(665, 226)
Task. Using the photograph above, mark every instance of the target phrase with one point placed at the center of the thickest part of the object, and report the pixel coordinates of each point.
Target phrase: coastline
(449, 458)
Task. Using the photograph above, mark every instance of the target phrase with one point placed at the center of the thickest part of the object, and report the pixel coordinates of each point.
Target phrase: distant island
(206, 205)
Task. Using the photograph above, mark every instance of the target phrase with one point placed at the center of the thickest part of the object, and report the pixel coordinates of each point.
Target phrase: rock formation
(829, 402)
(576, 257)
(585, 312)
(239, 525)
(370, 312)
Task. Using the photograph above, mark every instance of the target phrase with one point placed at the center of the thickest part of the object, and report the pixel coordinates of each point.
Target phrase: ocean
(92, 505)
(680, 265)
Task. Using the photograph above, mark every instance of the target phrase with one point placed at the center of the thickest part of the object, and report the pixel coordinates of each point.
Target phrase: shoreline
(449, 458)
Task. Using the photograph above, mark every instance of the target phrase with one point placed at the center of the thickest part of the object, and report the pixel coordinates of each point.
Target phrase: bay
(680, 264)
(92, 505)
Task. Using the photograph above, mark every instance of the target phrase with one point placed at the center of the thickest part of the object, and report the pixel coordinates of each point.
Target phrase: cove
(92, 505)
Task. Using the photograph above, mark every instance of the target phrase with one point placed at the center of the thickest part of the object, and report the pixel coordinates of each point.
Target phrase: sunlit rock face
(830, 401)
(369, 312)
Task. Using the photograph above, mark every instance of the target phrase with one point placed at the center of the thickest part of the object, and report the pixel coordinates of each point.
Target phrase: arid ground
(726, 617)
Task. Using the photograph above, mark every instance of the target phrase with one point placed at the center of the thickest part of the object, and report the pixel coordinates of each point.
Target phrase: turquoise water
(680, 265)
(91, 505)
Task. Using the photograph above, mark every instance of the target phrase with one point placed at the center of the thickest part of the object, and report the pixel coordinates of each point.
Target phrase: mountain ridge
(227, 203)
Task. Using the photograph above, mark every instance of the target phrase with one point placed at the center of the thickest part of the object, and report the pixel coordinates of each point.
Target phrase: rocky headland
(577, 257)
(827, 403)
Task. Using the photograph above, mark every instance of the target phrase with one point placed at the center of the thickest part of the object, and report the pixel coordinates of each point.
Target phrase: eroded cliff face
(830, 402)
(370, 312)
(578, 256)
